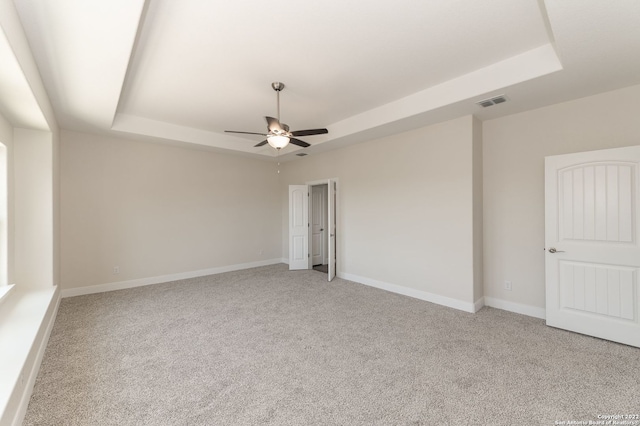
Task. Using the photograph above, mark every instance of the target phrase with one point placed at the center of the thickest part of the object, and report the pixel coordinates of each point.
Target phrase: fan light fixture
(278, 135)
(278, 141)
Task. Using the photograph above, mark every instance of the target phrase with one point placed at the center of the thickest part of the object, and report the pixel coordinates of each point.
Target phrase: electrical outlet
(260, 252)
(116, 269)
(507, 285)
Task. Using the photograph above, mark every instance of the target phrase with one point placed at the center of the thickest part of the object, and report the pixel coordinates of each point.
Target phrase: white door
(298, 227)
(592, 236)
(331, 220)
(318, 219)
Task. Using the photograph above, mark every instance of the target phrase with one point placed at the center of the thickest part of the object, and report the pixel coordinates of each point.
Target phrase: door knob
(321, 229)
(553, 250)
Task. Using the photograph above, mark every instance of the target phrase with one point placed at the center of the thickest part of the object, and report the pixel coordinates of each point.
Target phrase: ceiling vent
(492, 101)
(302, 154)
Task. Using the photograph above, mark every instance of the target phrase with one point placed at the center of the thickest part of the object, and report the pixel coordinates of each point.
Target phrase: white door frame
(327, 181)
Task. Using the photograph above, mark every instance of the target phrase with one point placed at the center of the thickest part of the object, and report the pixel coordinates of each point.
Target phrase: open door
(319, 228)
(331, 215)
(592, 203)
(298, 227)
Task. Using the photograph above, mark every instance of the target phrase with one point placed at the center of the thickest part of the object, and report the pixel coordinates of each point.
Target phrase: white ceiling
(185, 71)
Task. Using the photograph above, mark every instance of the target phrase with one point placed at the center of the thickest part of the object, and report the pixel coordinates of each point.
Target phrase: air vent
(302, 154)
(492, 101)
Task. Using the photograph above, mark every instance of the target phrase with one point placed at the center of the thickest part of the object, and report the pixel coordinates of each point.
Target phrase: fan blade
(264, 142)
(273, 124)
(245, 133)
(310, 132)
(299, 142)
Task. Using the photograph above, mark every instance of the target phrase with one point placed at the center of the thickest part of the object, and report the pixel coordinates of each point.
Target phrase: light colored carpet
(269, 346)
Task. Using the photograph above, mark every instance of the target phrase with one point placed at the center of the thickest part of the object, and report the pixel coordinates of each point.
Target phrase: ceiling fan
(278, 135)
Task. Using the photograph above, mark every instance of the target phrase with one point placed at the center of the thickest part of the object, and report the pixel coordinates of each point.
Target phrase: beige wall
(514, 151)
(405, 207)
(155, 210)
(32, 233)
(33, 183)
(33, 209)
(478, 287)
(410, 205)
(55, 208)
(6, 254)
(6, 131)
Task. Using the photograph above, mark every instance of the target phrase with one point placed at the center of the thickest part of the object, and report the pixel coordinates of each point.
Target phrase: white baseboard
(532, 311)
(121, 285)
(418, 294)
(518, 308)
(283, 260)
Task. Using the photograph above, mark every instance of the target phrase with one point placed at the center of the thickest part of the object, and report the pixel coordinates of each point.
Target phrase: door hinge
(308, 254)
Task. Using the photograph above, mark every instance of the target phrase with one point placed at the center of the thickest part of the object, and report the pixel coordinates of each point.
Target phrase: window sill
(26, 319)
(5, 290)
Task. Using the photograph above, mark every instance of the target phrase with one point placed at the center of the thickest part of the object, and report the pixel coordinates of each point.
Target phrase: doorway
(319, 227)
(309, 246)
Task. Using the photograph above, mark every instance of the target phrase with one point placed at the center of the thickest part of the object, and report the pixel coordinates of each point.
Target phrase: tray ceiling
(186, 71)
